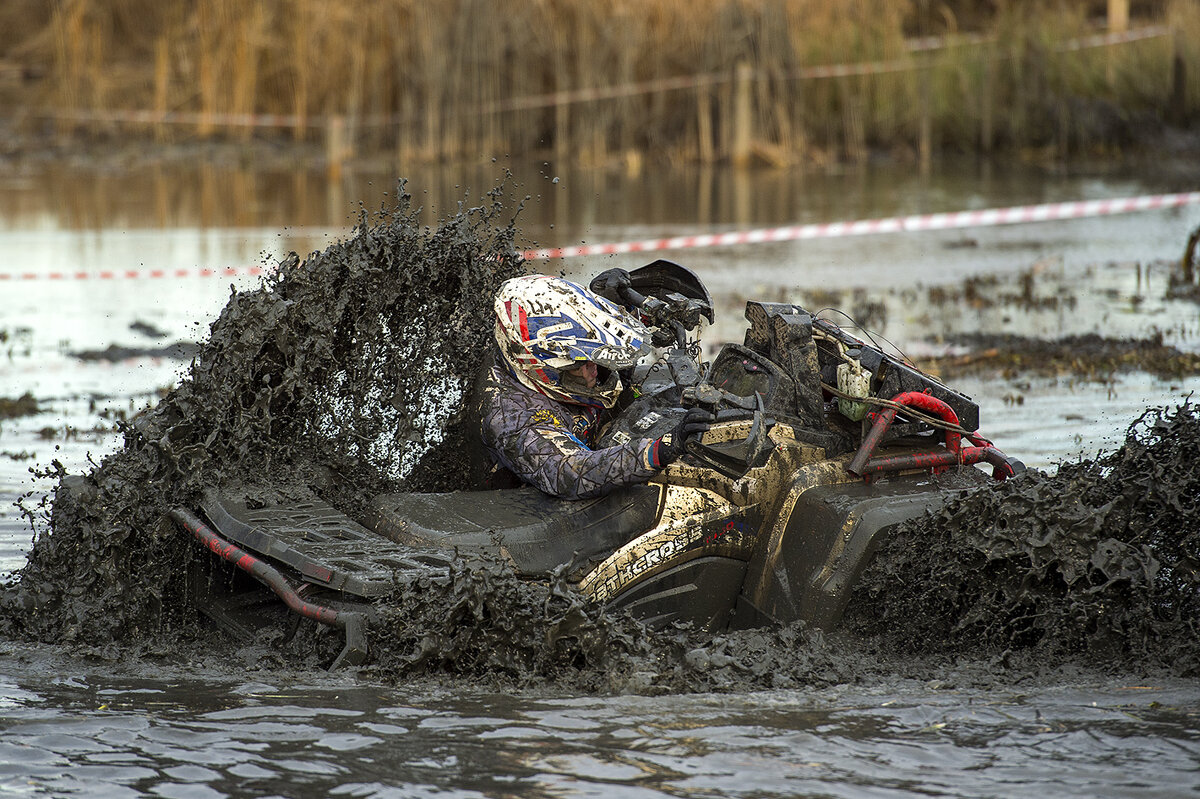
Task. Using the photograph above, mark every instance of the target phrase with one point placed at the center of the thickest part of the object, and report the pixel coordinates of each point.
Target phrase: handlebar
(669, 313)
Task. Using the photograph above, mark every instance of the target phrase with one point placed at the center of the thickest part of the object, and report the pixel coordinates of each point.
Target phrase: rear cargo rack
(323, 544)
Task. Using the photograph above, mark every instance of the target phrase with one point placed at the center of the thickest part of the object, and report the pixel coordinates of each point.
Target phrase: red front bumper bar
(954, 454)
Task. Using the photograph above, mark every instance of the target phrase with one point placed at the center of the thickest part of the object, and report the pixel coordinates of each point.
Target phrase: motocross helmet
(547, 325)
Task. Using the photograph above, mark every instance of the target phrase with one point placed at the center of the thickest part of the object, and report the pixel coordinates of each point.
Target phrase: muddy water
(106, 734)
(168, 726)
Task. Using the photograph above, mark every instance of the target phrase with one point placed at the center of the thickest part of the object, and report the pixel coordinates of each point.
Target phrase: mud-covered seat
(535, 531)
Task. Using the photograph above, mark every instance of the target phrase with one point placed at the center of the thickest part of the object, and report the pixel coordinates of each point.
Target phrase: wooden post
(1179, 110)
(925, 134)
(562, 118)
(704, 127)
(433, 115)
(1118, 16)
(925, 67)
(743, 195)
(704, 196)
(742, 108)
(853, 134)
(795, 111)
(207, 88)
(335, 146)
(335, 199)
(1118, 22)
(562, 132)
(987, 114)
(162, 80)
(404, 131)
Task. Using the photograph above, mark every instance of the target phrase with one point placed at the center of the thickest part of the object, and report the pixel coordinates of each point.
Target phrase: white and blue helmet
(546, 325)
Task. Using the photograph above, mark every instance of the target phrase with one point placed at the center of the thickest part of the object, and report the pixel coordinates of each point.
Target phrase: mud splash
(484, 624)
(343, 376)
(340, 374)
(1098, 563)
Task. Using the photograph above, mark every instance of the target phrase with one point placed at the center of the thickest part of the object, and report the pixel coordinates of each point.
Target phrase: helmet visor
(596, 381)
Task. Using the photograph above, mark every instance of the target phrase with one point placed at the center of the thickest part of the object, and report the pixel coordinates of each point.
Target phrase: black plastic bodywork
(702, 591)
(783, 333)
(809, 566)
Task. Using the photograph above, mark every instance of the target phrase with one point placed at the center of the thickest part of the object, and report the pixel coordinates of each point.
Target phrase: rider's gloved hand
(673, 444)
(610, 283)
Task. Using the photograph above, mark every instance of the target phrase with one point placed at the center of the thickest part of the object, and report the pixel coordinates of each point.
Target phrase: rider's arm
(548, 456)
(534, 438)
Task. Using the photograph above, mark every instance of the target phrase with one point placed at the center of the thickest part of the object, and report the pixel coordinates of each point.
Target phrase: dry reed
(431, 80)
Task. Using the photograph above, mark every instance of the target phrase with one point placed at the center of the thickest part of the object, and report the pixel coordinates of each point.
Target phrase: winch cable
(859, 327)
(350, 622)
(932, 421)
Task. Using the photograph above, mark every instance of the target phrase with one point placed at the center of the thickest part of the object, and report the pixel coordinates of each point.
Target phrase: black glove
(609, 284)
(673, 444)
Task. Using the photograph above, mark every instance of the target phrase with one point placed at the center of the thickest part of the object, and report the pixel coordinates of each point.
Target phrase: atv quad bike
(823, 443)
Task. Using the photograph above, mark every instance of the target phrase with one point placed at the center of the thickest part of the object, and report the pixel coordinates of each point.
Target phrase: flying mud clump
(1098, 563)
(342, 373)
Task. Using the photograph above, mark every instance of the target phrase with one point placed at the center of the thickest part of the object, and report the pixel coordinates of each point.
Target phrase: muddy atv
(823, 444)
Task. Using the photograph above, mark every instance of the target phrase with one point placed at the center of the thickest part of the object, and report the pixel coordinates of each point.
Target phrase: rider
(560, 347)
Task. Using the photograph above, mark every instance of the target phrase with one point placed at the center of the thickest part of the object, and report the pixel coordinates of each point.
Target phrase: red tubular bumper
(863, 465)
(351, 623)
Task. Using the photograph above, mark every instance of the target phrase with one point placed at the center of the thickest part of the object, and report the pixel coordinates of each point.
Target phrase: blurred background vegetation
(601, 83)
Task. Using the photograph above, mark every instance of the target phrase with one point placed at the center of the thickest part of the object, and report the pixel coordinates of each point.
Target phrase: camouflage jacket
(547, 443)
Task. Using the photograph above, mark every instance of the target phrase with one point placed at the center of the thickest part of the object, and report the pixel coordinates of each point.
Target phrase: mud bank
(179, 351)
(1088, 357)
(14, 407)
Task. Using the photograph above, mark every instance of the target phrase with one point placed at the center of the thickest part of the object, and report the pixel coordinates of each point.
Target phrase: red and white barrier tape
(896, 224)
(1048, 212)
(134, 274)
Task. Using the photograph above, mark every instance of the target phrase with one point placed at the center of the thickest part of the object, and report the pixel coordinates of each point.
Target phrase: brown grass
(412, 76)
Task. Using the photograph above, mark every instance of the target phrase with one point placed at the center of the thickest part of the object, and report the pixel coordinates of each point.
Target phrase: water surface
(177, 734)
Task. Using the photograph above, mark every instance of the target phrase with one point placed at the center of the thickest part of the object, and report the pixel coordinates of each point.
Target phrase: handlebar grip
(631, 296)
